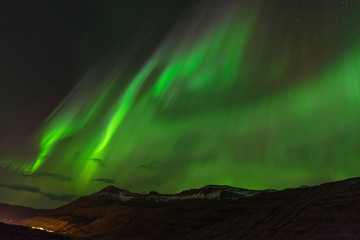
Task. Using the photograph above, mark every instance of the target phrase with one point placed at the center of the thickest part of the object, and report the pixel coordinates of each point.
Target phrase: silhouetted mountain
(12, 214)
(113, 195)
(329, 211)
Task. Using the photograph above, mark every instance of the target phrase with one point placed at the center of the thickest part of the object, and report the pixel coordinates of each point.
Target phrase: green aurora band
(207, 109)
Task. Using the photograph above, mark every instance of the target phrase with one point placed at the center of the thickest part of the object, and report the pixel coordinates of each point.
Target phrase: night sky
(171, 95)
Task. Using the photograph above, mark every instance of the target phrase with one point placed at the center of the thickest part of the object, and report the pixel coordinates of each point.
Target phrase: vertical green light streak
(214, 59)
(122, 107)
(67, 123)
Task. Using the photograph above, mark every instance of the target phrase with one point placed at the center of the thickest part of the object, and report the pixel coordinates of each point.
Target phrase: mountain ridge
(328, 211)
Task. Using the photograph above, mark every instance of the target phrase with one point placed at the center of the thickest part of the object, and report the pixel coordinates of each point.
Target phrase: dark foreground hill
(12, 232)
(330, 211)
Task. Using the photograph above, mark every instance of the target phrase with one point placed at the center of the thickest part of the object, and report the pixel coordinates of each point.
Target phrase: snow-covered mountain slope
(209, 192)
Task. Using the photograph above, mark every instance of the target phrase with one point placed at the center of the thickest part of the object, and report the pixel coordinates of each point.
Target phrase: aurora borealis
(253, 94)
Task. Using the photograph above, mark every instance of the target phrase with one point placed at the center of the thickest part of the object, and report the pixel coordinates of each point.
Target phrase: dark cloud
(61, 197)
(152, 165)
(56, 176)
(50, 196)
(104, 180)
(21, 187)
(99, 161)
